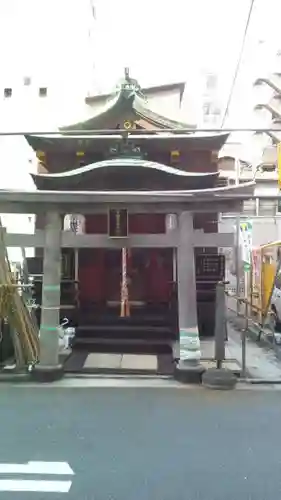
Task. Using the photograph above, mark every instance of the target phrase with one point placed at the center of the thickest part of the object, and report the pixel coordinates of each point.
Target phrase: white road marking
(54, 468)
(32, 486)
(33, 468)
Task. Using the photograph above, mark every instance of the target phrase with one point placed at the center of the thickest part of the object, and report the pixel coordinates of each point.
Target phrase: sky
(167, 41)
(43, 37)
(159, 40)
(258, 59)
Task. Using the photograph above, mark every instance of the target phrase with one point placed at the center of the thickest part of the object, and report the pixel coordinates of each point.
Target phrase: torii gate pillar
(49, 368)
(189, 368)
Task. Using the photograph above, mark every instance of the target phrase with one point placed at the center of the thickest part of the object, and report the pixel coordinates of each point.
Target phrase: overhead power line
(152, 133)
(238, 62)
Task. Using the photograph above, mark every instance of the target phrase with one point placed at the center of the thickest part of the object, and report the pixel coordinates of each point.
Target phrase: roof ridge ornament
(130, 87)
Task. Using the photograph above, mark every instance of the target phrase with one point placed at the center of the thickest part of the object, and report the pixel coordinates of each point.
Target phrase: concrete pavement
(261, 360)
(123, 443)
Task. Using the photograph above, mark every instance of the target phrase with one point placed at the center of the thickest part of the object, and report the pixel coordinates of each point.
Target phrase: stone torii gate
(182, 237)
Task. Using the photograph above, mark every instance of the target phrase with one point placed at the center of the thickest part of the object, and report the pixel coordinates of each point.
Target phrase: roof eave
(240, 192)
(159, 121)
(89, 123)
(179, 139)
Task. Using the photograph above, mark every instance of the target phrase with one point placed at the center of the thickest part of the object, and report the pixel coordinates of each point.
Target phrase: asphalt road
(145, 444)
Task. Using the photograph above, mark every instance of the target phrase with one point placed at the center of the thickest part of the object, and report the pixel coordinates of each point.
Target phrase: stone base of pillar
(219, 378)
(189, 373)
(44, 374)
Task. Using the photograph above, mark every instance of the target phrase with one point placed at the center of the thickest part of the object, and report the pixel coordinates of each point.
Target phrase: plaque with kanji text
(118, 223)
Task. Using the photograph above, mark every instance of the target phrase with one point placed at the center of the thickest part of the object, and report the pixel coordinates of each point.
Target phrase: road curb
(258, 381)
(219, 379)
(15, 377)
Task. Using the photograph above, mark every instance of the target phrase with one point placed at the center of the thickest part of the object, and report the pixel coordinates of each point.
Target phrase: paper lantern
(74, 223)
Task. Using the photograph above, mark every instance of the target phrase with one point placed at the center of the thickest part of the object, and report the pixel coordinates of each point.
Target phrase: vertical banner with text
(279, 173)
(246, 243)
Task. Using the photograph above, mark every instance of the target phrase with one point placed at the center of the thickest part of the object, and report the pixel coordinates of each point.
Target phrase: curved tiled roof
(128, 163)
(122, 173)
(128, 97)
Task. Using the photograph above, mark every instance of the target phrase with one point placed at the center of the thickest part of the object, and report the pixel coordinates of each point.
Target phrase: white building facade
(254, 154)
(41, 86)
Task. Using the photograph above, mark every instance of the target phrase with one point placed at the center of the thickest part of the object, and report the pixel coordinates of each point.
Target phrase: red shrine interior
(149, 271)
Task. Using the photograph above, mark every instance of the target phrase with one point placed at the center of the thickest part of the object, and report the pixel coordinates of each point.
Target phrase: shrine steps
(141, 344)
(128, 343)
(127, 337)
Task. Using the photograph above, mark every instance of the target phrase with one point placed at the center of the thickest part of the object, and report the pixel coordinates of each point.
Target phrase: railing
(262, 332)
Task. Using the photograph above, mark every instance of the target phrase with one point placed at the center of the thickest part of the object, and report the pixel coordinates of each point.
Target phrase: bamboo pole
(13, 309)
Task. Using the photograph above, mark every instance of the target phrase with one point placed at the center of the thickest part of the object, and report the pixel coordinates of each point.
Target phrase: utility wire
(152, 133)
(238, 62)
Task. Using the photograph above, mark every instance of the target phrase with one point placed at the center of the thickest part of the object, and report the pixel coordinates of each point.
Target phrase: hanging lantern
(171, 222)
(74, 223)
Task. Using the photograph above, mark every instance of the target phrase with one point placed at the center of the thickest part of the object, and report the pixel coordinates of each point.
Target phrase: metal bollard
(243, 339)
(219, 377)
(220, 324)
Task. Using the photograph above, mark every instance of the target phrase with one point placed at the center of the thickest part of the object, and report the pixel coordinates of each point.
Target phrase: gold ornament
(128, 125)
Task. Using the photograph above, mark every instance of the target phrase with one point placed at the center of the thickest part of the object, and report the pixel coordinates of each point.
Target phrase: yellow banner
(279, 163)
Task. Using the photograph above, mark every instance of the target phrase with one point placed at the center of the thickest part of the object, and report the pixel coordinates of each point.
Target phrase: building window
(27, 81)
(207, 108)
(211, 81)
(43, 92)
(8, 92)
(267, 208)
(216, 111)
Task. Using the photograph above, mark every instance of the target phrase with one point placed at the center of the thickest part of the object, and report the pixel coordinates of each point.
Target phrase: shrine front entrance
(148, 275)
(126, 297)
